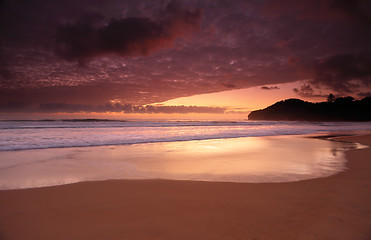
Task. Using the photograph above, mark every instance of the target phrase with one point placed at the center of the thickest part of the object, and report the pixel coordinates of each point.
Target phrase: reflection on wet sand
(252, 159)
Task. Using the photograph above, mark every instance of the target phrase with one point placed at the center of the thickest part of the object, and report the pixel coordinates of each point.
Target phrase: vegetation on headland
(335, 109)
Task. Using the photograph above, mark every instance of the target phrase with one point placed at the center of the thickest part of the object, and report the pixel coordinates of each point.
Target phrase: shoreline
(334, 207)
(232, 160)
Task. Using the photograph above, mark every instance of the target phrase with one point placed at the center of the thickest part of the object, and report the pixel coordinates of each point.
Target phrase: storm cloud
(133, 36)
(343, 72)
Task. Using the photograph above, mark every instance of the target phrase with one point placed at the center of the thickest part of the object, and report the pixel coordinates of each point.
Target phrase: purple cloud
(132, 36)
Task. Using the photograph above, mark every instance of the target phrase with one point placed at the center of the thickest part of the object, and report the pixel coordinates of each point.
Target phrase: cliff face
(342, 109)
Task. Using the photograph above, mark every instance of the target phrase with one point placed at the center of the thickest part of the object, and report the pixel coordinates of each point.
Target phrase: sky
(176, 58)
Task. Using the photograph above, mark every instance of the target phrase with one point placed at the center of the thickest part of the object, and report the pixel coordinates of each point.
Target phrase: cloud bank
(133, 36)
(117, 108)
(343, 72)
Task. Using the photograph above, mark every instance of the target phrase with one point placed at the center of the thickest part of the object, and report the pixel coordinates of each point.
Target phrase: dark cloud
(270, 87)
(133, 36)
(183, 109)
(229, 85)
(124, 108)
(19, 106)
(356, 10)
(364, 94)
(5, 73)
(319, 10)
(306, 90)
(15, 106)
(343, 73)
(63, 107)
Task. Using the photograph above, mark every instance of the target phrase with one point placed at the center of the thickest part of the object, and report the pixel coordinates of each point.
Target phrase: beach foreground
(336, 207)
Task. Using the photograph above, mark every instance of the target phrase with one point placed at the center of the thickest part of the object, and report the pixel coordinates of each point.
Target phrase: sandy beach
(336, 207)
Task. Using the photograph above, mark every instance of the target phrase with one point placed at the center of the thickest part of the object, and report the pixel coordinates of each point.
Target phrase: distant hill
(339, 109)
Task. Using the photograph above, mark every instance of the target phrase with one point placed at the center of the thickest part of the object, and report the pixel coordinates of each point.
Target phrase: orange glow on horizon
(243, 100)
(238, 104)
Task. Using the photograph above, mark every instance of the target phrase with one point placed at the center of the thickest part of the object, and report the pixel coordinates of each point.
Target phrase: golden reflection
(252, 159)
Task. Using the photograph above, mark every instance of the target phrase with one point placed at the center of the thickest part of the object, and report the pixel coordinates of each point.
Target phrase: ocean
(22, 135)
(48, 153)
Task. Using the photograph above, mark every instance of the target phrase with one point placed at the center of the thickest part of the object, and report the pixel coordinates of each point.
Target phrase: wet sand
(336, 207)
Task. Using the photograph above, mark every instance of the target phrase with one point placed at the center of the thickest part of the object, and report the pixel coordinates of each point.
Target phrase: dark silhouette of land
(335, 109)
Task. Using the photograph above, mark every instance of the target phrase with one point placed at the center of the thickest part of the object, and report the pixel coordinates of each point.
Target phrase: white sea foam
(22, 135)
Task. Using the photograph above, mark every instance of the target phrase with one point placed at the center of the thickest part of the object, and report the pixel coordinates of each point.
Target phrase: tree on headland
(331, 98)
(344, 100)
(335, 109)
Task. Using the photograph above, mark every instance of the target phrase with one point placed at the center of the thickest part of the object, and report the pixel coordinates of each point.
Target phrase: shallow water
(249, 159)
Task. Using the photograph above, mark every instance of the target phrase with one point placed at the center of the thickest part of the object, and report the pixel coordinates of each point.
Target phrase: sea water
(22, 135)
(46, 153)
